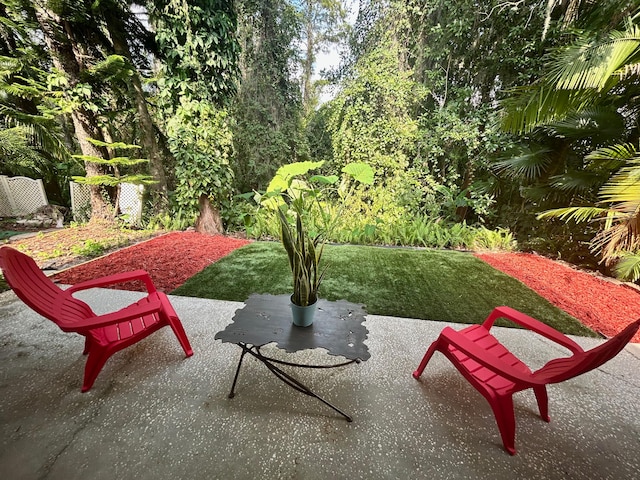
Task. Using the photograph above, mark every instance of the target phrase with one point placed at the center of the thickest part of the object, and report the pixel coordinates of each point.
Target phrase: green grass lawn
(425, 284)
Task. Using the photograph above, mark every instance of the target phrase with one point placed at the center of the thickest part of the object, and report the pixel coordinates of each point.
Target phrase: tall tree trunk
(66, 58)
(307, 65)
(208, 220)
(147, 131)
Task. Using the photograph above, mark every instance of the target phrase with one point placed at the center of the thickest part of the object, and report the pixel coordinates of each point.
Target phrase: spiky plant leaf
(304, 258)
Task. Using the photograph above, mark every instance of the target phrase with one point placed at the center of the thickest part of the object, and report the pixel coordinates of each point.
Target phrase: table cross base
(284, 376)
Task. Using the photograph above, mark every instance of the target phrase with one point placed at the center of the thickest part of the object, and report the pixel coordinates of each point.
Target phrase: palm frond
(597, 123)
(623, 188)
(578, 214)
(529, 107)
(628, 268)
(625, 151)
(577, 77)
(529, 164)
(592, 64)
(623, 236)
(43, 131)
(577, 181)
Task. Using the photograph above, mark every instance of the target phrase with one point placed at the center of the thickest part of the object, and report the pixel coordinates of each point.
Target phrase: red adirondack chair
(497, 374)
(104, 334)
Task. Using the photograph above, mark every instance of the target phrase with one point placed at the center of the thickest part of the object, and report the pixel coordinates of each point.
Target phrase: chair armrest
(114, 279)
(484, 358)
(532, 324)
(128, 313)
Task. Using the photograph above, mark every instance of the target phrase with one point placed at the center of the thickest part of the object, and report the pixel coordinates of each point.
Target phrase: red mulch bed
(602, 305)
(170, 260)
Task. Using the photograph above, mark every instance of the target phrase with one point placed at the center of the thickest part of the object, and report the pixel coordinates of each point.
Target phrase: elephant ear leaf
(287, 172)
(284, 176)
(360, 171)
(330, 180)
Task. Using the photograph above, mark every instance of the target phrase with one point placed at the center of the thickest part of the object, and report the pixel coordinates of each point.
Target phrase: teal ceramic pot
(303, 316)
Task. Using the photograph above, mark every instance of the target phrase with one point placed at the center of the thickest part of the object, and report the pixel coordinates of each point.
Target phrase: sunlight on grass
(413, 283)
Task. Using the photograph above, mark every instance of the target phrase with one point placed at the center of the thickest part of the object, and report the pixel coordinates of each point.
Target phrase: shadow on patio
(154, 414)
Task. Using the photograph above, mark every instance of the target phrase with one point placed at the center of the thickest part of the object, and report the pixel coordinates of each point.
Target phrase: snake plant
(304, 259)
(287, 192)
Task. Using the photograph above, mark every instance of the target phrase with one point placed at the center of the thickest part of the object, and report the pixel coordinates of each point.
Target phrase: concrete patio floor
(152, 414)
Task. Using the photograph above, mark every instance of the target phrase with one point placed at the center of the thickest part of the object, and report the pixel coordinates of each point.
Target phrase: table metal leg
(285, 377)
(299, 386)
(232, 393)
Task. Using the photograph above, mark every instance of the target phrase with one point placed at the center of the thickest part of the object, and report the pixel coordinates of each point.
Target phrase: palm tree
(591, 72)
(620, 210)
(597, 75)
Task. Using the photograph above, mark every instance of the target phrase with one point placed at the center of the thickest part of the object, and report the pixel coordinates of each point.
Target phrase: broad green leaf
(360, 171)
(330, 180)
(298, 168)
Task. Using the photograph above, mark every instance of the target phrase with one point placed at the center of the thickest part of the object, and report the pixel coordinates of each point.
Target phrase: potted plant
(290, 191)
(304, 255)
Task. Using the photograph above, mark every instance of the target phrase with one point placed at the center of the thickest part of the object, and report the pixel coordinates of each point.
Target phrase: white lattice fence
(130, 201)
(80, 201)
(21, 196)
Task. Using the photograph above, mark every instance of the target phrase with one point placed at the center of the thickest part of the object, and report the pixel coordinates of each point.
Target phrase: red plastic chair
(497, 374)
(104, 334)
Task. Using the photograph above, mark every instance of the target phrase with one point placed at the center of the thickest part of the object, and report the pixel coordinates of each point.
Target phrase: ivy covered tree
(372, 120)
(267, 112)
(199, 51)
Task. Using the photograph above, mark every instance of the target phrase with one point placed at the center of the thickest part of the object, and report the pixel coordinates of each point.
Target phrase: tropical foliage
(586, 103)
(485, 122)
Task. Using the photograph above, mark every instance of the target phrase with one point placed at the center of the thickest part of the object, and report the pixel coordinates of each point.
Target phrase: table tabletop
(264, 319)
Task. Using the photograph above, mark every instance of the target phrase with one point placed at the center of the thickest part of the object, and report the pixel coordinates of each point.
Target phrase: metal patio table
(266, 319)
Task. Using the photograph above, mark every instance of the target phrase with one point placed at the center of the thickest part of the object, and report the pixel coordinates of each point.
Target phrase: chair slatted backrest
(39, 292)
(562, 369)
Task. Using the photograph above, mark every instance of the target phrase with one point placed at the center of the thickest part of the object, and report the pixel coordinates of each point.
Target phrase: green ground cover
(414, 283)
(4, 234)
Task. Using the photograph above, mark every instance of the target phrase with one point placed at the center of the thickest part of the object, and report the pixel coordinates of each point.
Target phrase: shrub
(499, 239)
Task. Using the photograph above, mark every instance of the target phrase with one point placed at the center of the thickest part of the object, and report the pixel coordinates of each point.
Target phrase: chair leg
(505, 417)
(178, 329)
(98, 356)
(176, 325)
(427, 356)
(543, 401)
